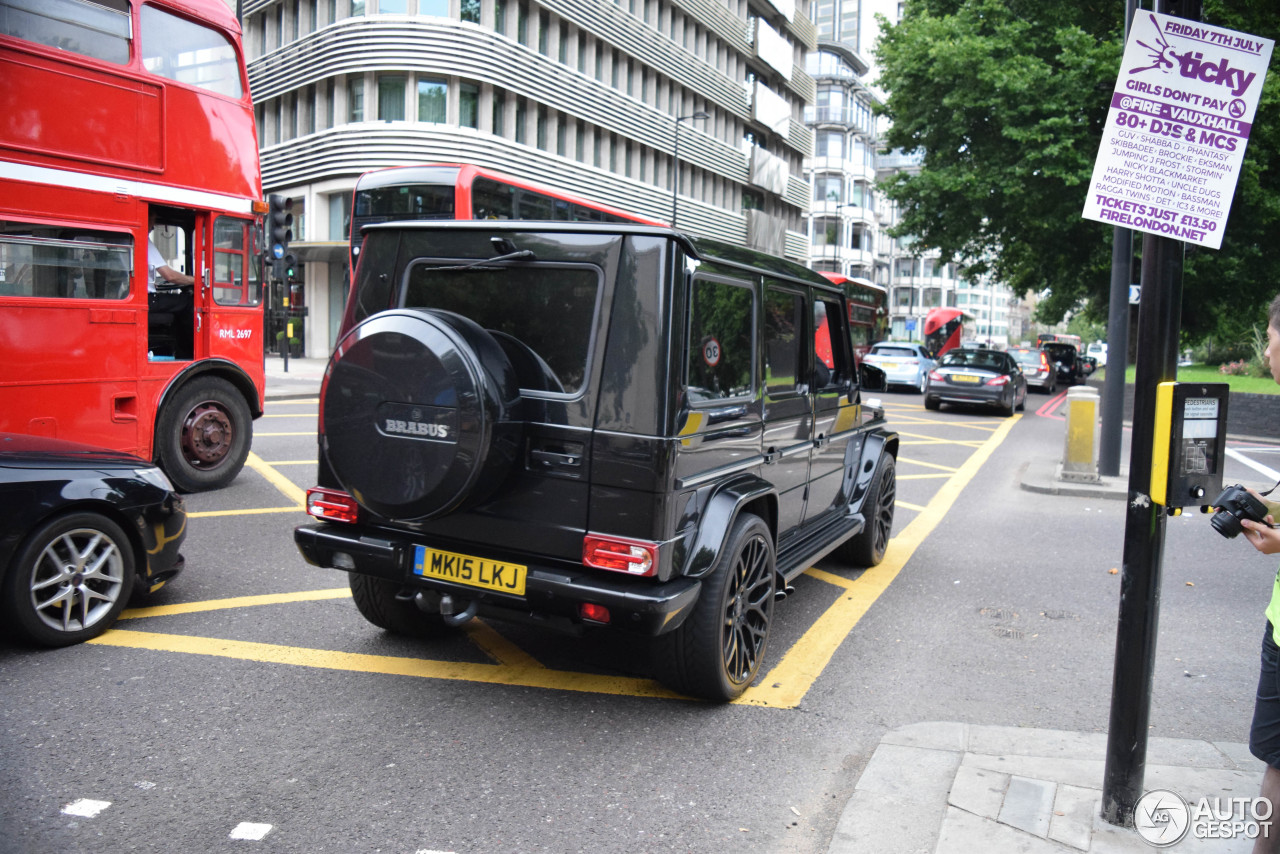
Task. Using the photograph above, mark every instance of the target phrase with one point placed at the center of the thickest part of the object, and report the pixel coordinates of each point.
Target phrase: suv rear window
(894, 351)
(550, 309)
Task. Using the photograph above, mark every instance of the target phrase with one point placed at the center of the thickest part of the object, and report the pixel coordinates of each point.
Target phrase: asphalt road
(287, 723)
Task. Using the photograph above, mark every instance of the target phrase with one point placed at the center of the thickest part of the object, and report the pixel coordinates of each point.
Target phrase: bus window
(411, 201)
(189, 53)
(491, 200)
(233, 257)
(534, 205)
(71, 263)
(99, 30)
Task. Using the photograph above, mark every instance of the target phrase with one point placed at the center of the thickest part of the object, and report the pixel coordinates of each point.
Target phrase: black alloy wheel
(868, 547)
(717, 652)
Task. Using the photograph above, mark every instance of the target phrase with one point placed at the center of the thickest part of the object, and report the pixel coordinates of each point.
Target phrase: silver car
(903, 363)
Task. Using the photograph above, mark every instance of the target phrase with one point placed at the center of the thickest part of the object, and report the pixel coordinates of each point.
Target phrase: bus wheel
(204, 435)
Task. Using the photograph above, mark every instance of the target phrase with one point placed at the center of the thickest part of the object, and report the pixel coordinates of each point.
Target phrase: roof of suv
(699, 247)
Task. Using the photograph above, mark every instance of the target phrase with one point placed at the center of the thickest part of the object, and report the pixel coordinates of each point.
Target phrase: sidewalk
(302, 380)
(953, 788)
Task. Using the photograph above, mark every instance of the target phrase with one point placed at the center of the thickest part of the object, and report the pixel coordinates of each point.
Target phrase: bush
(1239, 368)
(1246, 360)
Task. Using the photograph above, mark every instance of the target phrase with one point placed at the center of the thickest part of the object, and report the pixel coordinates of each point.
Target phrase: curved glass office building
(584, 96)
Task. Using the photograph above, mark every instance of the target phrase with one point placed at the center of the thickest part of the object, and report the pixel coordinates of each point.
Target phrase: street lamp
(675, 161)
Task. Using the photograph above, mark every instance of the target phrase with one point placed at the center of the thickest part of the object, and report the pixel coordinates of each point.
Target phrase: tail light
(1001, 380)
(1044, 362)
(332, 505)
(937, 377)
(616, 554)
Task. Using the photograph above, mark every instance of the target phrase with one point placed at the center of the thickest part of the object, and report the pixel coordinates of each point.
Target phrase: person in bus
(175, 300)
(1264, 734)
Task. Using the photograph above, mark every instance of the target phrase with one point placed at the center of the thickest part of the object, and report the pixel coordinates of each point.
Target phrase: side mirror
(871, 378)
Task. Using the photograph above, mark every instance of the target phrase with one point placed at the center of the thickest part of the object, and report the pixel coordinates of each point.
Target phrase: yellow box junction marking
(288, 488)
(788, 682)
(782, 687)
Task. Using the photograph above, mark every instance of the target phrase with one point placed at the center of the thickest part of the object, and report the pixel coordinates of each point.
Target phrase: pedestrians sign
(1176, 132)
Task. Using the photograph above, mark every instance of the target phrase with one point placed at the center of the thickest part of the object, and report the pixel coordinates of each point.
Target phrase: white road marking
(1269, 473)
(251, 831)
(85, 808)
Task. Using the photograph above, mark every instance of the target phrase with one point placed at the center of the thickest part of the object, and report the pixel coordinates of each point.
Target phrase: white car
(903, 363)
(1098, 350)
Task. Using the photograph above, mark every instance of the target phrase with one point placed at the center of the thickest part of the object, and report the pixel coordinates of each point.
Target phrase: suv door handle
(551, 458)
(725, 413)
(772, 455)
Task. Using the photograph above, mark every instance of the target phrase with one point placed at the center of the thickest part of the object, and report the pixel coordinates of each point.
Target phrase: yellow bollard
(1080, 449)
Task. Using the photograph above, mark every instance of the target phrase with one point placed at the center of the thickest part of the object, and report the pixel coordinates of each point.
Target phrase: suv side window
(784, 361)
(721, 356)
(829, 362)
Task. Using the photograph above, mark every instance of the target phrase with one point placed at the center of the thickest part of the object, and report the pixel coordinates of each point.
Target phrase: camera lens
(1226, 524)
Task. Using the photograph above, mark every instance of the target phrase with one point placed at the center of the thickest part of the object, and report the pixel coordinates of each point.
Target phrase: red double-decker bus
(868, 321)
(465, 191)
(130, 202)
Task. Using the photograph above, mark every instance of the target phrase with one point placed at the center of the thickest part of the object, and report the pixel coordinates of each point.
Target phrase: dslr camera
(1235, 503)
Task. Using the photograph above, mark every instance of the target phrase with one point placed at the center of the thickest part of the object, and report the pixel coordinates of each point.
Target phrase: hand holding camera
(1234, 504)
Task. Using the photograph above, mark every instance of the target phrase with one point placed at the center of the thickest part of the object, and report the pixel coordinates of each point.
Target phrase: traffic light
(279, 231)
(289, 265)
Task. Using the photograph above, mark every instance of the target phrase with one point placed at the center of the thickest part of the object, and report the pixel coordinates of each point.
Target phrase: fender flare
(745, 493)
(874, 445)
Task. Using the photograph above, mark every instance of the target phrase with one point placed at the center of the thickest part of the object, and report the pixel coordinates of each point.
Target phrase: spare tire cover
(419, 413)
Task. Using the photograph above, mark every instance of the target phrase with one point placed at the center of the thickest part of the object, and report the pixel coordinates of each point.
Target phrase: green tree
(1006, 99)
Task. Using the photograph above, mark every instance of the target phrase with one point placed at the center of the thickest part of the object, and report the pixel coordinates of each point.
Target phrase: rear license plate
(889, 366)
(965, 378)
(471, 571)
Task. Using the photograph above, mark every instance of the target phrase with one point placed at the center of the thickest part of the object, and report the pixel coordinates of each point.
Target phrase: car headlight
(155, 477)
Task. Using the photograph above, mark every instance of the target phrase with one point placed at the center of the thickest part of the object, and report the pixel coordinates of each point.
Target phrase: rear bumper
(1049, 379)
(552, 594)
(975, 396)
(899, 376)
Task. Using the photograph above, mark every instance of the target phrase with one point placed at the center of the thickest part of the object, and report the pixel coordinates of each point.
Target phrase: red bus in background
(1061, 338)
(868, 311)
(943, 329)
(128, 125)
(465, 191)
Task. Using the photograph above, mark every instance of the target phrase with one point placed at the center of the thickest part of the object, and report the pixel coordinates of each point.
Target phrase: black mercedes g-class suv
(589, 425)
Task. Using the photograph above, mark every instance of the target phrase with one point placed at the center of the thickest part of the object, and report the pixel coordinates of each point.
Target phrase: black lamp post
(675, 161)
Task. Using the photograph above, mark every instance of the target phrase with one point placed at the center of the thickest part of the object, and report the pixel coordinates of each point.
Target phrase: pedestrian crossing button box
(1190, 443)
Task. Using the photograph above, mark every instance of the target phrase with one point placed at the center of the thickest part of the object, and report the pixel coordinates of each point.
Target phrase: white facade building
(582, 96)
(850, 219)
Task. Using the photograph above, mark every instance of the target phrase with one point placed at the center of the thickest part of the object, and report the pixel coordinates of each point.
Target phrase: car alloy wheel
(71, 580)
(717, 652)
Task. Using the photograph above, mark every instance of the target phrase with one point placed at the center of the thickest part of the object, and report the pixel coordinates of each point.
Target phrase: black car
(82, 530)
(977, 376)
(1066, 360)
(585, 426)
